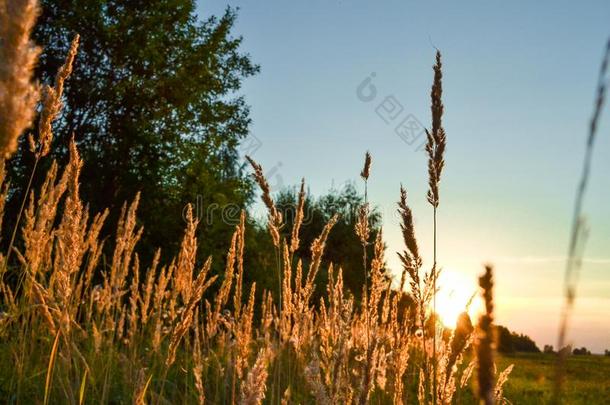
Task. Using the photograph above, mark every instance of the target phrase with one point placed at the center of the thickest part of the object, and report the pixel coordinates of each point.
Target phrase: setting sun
(456, 291)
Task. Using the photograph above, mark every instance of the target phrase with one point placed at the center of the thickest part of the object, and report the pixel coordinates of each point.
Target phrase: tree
(548, 349)
(152, 104)
(583, 351)
(510, 342)
(524, 343)
(504, 340)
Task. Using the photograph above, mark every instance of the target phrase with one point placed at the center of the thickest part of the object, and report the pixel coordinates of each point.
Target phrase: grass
(114, 331)
(151, 333)
(531, 382)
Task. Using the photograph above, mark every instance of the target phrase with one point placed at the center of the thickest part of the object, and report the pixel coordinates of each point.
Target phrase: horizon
(515, 116)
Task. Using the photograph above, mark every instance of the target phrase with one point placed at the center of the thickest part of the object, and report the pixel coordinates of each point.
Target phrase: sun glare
(456, 290)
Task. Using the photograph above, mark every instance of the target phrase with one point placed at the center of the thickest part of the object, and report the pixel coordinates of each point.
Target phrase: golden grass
(154, 327)
(119, 332)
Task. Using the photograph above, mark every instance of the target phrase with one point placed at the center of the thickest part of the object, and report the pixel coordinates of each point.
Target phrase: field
(531, 380)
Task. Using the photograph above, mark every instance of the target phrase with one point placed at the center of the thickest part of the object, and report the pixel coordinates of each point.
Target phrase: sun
(455, 292)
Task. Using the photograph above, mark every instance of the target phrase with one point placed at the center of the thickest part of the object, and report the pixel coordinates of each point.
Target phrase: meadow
(529, 383)
(84, 320)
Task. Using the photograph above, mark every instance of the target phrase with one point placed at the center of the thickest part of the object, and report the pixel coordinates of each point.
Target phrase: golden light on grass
(176, 332)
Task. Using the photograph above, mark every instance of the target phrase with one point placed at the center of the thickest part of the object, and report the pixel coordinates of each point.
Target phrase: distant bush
(548, 349)
(581, 351)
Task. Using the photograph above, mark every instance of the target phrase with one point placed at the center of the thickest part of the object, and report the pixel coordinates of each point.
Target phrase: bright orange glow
(456, 290)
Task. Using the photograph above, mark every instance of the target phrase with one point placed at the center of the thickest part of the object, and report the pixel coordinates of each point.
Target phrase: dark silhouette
(511, 342)
(583, 351)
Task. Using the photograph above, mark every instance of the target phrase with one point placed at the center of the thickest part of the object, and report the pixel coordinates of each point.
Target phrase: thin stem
(277, 372)
(434, 316)
(366, 282)
(364, 394)
(25, 197)
(576, 234)
(233, 377)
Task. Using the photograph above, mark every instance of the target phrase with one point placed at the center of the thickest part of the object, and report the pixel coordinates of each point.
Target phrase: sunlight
(456, 290)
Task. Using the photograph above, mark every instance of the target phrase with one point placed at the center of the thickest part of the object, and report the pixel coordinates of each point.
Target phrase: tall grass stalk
(435, 149)
(579, 229)
(363, 232)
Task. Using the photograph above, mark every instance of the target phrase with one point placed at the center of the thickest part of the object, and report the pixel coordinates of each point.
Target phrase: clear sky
(519, 80)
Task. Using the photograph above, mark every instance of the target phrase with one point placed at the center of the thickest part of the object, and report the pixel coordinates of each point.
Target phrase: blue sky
(519, 80)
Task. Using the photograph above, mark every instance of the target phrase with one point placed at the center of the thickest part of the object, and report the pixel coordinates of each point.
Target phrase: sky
(339, 77)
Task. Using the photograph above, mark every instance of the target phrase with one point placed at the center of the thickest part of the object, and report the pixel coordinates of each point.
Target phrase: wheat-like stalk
(436, 150)
(298, 220)
(200, 284)
(275, 216)
(52, 103)
(437, 140)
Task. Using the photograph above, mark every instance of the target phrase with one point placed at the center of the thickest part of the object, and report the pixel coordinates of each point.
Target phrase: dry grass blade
(50, 367)
(142, 388)
(83, 384)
